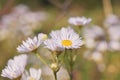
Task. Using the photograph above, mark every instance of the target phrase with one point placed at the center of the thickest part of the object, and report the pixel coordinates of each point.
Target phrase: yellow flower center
(66, 43)
(32, 78)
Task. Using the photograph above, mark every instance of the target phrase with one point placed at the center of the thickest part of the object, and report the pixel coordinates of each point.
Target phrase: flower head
(15, 67)
(30, 45)
(33, 74)
(51, 45)
(77, 21)
(42, 36)
(66, 38)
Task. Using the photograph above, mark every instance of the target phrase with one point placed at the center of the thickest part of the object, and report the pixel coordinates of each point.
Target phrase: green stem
(55, 75)
(17, 78)
(41, 59)
(71, 66)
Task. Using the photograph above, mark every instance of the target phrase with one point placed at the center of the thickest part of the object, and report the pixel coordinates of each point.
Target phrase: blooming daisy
(66, 38)
(77, 21)
(33, 74)
(30, 44)
(51, 45)
(15, 67)
(42, 36)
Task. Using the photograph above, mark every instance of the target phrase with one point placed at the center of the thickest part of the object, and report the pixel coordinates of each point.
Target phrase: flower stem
(42, 60)
(71, 67)
(107, 7)
(17, 78)
(55, 75)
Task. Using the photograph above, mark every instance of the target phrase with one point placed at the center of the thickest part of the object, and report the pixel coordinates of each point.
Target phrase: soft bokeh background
(57, 13)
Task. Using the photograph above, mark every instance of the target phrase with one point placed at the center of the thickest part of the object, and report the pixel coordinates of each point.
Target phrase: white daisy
(33, 74)
(66, 38)
(51, 45)
(30, 44)
(42, 36)
(79, 21)
(15, 67)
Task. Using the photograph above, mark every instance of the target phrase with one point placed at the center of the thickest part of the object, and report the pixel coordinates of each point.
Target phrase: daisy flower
(33, 74)
(66, 38)
(30, 44)
(15, 67)
(42, 36)
(51, 45)
(77, 21)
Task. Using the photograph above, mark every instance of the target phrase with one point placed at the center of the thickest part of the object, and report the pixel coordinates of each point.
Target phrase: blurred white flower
(93, 32)
(114, 32)
(97, 56)
(66, 38)
(9, 20)
(20, 10)
(114, 45)
(111, 20)
(90, 43)
(15, 67)
(30, 45)
(77, 21)
(51, 45)
(42, 36)
(102, 46)
(33, 74)
(32, 18)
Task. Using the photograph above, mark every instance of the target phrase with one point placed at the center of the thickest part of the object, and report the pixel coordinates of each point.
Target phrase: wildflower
(51, 45)
(114, 45)
(97, 56)
(78, 21)
(114, 32)
(102, 46)
(15, 67)
(90, 43)
(93, 32)
(20, 10)
(66, 38)
(55, 67)
(33, 74)
(42, 36)
(30, 45)
(111, 20)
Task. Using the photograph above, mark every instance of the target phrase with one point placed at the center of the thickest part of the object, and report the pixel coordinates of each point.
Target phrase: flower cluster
(62, 44)
(98, 40)
(23, 20)
(59, 40)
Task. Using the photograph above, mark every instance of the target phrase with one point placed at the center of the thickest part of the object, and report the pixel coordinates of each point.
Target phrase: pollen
(67, 43)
